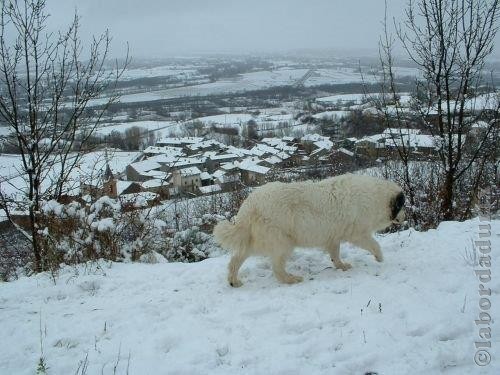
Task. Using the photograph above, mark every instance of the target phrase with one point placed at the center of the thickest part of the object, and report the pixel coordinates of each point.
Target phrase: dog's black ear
(397, 204)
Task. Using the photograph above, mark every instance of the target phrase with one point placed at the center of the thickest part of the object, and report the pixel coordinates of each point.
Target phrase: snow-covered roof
(289, 149)
(273, 160)
(223, 156)
(156, 174)
(189, 161)
(117, 160)
(251, 165)
(346, 151)
(376, 138)
(205, 176)
(283, 155)
(178, 161)
(191, 171)
(218, 173)
(261, 149)
(163, 150)
(154, 183)
(413, 140)
(229, 166)
(206, 144)
(272, 141)
(145, 165)
(398, 131)
(239, 151)
(121, 186)
(326, 144)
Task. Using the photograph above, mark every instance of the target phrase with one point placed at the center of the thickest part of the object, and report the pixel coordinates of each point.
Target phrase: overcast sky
(157, 28)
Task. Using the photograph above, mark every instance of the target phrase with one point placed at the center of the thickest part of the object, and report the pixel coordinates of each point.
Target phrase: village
(194, 166)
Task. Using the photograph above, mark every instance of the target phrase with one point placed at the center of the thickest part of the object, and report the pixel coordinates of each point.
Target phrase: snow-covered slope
(412, 314)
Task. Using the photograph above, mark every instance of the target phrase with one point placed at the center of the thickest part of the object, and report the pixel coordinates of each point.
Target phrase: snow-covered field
(344, 98)
(249, 81)
(158, 126)
(159, 71)
(412, 314)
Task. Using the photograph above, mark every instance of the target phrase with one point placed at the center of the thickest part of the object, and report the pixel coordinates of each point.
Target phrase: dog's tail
(232, 236)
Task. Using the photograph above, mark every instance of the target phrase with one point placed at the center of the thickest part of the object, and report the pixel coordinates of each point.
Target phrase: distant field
(249, 82)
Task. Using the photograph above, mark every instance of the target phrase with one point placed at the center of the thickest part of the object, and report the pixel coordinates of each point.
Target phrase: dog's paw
(343, 266)
(292, 279)
(379, 257)
(235, 283)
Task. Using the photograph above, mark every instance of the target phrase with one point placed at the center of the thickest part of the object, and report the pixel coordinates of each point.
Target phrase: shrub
(190, 245)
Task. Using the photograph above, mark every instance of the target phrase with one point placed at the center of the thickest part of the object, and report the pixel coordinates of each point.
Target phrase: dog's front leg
(368, 243)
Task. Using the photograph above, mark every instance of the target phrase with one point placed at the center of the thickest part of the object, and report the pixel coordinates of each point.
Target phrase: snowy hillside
(412, 314)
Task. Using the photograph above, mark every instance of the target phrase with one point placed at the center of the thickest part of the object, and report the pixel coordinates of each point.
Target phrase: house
(251, 172)
(290, 141)
(422, 144)
(158, 186)
(187, 179)
(400, 131)
(138, 171)
(184, 162)
(206, 179)
(203, 146)
(273, 161)
(349, 143)
(114, 188)
(227, 179)
(240, 152)
(343, 160)
(372, 146)
(309, 140)
(215, 161)
(163, 150)
(320, 155)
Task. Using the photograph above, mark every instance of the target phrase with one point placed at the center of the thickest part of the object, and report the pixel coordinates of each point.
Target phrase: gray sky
(156, 28)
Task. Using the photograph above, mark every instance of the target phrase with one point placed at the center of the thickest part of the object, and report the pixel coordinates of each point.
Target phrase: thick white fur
(278, 217)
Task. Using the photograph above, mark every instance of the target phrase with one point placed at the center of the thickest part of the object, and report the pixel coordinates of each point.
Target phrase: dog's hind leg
(234, 266)
(279, 257)
(334, 251)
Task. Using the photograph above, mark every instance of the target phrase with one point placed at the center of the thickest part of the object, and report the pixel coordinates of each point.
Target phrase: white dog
(278, 217)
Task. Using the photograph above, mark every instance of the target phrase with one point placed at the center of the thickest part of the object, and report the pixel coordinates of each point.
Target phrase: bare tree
(46, 88)
(449, 41)
(134, 137)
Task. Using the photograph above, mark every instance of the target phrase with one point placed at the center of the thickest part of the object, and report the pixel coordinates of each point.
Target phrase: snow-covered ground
(159, 71)
(412, 314)
(158, 126)
(248, 82)
(345, 98)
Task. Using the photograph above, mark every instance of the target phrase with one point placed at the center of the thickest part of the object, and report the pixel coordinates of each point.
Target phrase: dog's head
(396, 207)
